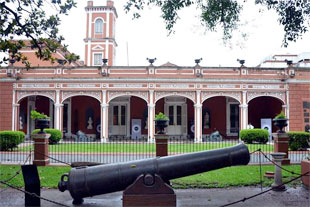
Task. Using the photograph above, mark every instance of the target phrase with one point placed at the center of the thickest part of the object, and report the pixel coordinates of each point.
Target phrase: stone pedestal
(149, 191)
(305, 167)
(40, 149)
(161, 145)
(281, 141)
(278, 157)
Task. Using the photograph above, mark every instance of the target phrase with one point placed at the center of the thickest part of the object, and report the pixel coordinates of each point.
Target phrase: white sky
(147, 37)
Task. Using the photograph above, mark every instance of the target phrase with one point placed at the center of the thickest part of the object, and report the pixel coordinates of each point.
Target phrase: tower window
(99, 26)
(97, 58)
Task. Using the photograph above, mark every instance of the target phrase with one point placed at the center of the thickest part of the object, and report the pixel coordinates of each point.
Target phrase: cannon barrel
(90, 181)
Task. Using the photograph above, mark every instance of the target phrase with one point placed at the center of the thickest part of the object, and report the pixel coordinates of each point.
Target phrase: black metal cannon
(95, 180)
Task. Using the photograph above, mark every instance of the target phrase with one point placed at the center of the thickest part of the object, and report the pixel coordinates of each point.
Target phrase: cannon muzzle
(95, 180)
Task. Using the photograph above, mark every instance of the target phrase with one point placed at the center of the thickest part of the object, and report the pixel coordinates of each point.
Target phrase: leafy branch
(294, 15)
(27, 18)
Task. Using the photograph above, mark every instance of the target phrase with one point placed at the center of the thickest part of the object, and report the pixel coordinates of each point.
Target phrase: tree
(37, 20)
(294, 15)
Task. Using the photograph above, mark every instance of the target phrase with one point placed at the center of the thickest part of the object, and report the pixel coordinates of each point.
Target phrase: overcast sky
(147, 37)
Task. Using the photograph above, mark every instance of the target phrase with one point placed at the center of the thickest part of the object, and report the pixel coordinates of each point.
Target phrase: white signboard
(267, 124)
(136, 129)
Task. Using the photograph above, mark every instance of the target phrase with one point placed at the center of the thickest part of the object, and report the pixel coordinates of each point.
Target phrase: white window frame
(228, 103)
(99, 30)
(121, 101)
(177, 101)
(97, 53)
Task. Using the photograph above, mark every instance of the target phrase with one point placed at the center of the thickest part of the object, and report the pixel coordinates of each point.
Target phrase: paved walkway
(292, 197)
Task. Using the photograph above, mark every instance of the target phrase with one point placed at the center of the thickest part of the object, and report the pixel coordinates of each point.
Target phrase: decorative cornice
(209, 94)
(140, 94)
(188, 94)
(69, 94)
(279, 95)
(23, 94)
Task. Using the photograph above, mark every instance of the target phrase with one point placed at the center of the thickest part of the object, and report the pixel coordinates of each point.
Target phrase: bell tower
(100, 34)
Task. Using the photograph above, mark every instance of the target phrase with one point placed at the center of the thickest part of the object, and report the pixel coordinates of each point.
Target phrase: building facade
(106, 101)
(100, 34)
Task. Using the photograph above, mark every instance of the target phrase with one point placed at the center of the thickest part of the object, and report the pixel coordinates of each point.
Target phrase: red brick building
(104, 100)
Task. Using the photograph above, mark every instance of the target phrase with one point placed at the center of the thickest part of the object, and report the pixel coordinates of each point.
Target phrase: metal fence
(122, 150)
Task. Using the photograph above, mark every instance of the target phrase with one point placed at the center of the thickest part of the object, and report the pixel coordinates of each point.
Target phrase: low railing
(122, 150)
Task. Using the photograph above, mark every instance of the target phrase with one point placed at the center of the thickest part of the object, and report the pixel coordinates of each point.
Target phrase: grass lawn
(226, 177)
(144, 147)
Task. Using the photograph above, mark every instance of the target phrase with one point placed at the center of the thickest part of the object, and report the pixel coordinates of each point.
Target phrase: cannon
(95, 180)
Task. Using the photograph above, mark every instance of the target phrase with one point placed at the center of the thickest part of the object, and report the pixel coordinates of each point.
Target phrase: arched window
(99, 26)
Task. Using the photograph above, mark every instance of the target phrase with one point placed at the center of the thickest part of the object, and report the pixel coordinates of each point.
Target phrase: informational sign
(136, 129)
(267, 124)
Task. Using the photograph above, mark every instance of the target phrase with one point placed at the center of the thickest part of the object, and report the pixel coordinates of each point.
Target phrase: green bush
(254, 135)
(298, 140)
(10, 139)
(56, 135)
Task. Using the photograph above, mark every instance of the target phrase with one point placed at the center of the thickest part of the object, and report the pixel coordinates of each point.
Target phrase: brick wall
(298, 94)
(6, 98)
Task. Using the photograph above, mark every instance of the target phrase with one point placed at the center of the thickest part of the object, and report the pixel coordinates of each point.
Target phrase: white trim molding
(232, 94)
(23, 94)
(279, 95)
(140, 94)
(187, 94)
(93, 94)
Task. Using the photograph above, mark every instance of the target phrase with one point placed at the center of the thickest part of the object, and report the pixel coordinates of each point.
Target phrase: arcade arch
(81, 113)
(180, 110)
(128, 117)
(222, 114)
(262, 110)
(40, 103)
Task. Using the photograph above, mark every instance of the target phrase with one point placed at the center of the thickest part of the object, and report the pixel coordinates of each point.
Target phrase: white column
(151, 114)
(104, 135)
(58, 116)
(198, 124)
(15, 117)
(244, 111)
(58, 112)
(13, 112)
(198, 117)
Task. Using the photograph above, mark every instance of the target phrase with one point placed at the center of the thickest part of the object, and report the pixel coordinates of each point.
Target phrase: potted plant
(161, 122)
(41, 120)
(280, 121)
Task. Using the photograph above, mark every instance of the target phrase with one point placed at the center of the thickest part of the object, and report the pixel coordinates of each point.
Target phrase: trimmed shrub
(254, 135)
(299, 140)
(56, 135)
(10, 139)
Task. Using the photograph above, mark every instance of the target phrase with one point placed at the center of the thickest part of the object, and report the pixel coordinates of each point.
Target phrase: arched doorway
(39, 103)
(128, 117)
(221, 114)
(264, 108)
(180, 111)
(81, 113)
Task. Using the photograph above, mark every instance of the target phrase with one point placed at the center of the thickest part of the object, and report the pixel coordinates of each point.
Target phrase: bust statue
(90, 123)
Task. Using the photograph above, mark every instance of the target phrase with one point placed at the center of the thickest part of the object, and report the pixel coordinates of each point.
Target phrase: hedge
(10, 139)
(254, 135)
(56, 135)
(298, 140)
